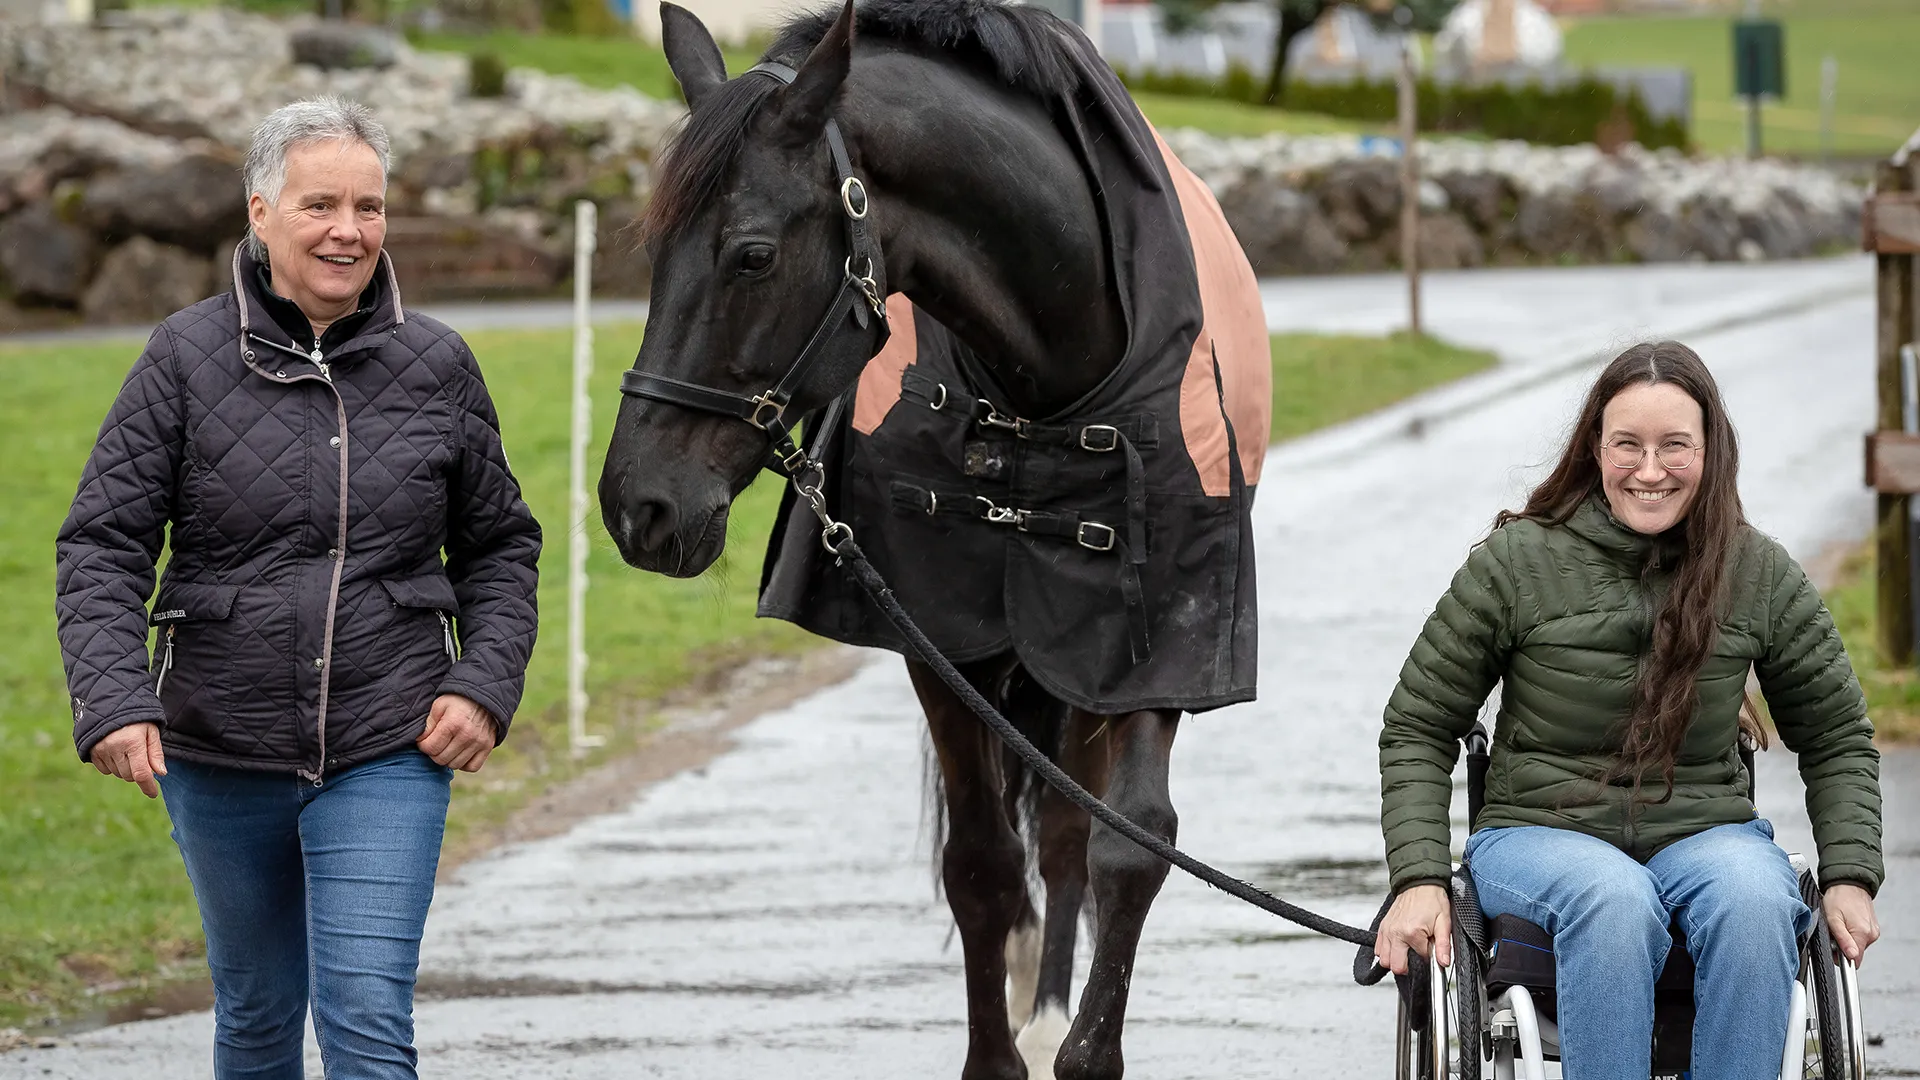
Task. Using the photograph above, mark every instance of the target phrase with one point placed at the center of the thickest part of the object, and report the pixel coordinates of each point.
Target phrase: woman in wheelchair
(1622, 611)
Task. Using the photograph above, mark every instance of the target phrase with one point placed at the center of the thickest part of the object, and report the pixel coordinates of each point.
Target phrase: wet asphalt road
(772, 913)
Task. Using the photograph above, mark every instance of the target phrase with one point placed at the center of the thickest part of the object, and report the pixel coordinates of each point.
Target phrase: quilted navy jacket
(306, 620)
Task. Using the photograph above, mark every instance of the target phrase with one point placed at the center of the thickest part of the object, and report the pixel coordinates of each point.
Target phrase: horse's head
(749, 233)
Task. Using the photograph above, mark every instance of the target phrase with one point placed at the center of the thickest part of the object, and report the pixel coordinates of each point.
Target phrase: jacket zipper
(340, 546)
(446, 631)
(339, 564)
(166, 663)
(1639, 671)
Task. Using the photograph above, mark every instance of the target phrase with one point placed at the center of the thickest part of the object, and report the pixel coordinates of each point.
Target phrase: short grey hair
(298, 124)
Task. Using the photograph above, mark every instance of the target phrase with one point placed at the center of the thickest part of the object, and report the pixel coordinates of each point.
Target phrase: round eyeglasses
(1674, 455)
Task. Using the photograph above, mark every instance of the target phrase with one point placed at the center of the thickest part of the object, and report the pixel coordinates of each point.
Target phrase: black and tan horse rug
(1051, 458)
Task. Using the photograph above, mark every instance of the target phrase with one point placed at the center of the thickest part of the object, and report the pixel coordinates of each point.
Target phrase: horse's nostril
(650, 526)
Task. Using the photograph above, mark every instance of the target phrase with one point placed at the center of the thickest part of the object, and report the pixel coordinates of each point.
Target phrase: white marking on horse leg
(1023, 972)
(1039, 1042)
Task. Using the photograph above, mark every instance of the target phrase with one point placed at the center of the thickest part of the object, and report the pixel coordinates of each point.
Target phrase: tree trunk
(1289, 26)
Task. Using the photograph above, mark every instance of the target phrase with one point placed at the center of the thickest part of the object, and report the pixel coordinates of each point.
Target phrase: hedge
(1573, 112)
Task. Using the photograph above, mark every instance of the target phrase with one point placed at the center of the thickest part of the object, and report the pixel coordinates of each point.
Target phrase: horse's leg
(1125, 880)
(1063, 867)
(983, 866)
(1024, 940)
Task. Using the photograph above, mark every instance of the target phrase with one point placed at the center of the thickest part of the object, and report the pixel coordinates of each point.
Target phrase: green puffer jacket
(1560, 616)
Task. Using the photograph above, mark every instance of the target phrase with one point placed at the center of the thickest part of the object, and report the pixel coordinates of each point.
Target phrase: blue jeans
(1731, 890)
(312, 893)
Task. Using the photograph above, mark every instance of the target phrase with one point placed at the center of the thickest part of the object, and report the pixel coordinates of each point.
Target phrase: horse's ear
(691, 53)
(808, 104)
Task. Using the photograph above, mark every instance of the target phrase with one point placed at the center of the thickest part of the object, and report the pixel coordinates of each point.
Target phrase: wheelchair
(1492, 1013)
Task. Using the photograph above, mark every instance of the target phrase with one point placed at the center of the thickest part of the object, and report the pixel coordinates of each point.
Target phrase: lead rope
(837, 538)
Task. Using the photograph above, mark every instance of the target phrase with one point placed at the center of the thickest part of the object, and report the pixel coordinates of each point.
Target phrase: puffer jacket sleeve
(1460, 654)
(106, 549)
(493, 546)
(1821, 715)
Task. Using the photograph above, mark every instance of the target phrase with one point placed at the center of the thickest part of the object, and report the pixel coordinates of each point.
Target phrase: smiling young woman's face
(1652, 455)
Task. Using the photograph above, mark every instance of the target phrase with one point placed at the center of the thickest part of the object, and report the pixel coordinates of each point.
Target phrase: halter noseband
(859, 296)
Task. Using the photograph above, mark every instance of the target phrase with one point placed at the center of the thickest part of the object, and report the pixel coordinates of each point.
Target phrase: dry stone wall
(121, 142)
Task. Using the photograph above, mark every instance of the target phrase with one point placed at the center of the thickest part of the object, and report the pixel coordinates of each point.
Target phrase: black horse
(986, 217)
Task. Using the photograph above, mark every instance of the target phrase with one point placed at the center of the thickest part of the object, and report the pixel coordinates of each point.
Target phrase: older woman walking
(309, 447)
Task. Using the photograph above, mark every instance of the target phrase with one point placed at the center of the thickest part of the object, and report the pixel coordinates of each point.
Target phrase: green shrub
(486, 75)
(1560, 116)
(592, 18)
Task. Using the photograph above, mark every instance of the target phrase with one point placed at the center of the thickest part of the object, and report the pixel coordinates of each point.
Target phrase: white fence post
(584, 228)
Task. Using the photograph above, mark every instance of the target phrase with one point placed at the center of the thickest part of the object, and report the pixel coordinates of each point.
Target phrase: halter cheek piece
(859, 301)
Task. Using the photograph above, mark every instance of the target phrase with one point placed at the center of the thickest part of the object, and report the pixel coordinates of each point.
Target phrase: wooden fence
(1890, 227)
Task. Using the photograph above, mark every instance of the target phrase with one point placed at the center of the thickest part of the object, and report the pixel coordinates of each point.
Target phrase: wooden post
(1897, 326)
(1410, 184)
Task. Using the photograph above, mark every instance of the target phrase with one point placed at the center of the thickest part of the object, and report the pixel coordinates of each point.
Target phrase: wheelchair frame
(1511, 1040)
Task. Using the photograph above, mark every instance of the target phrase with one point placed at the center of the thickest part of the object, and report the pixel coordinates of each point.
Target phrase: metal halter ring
(835, 529)
(850, 187)
(764, 405)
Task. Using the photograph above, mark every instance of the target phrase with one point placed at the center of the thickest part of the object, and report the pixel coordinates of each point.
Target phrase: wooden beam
(1890, 223)
(1896, 325)
(1893, 463)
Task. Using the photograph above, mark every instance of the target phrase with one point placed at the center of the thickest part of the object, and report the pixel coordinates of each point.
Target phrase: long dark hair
(1687, 624)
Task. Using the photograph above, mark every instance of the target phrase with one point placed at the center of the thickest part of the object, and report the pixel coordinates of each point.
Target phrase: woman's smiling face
(1652, 455)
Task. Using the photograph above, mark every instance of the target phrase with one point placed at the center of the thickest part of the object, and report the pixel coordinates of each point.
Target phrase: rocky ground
(120, 198)
(1314, 204)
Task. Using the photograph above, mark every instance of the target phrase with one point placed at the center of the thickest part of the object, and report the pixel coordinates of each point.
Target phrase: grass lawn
(1876, 43)
(1322, 379)
(1893, 694)
(608, 62)
(91, 889)
(604, 62)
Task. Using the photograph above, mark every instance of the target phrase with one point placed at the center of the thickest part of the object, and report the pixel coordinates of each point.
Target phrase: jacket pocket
(194, 655)
(432, 592)
(423, 649)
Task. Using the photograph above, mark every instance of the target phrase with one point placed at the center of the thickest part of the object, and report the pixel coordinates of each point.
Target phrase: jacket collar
(1595, 523)
(379, 306)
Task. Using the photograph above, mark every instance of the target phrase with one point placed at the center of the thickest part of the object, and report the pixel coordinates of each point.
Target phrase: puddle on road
(1321, 879)
(441, 986)
(168, 999)
(643, 847)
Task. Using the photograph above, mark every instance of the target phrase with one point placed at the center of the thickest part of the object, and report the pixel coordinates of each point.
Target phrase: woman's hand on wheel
(1420, 919)
(133, 754)
(1849, 914)
(459, 733)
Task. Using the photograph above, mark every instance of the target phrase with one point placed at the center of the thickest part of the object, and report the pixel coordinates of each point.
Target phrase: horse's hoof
(1039, 1042)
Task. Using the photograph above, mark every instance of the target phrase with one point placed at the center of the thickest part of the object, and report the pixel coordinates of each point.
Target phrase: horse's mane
(1024, 46)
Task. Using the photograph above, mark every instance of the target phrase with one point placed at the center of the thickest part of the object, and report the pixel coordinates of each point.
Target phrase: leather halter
(859, 299)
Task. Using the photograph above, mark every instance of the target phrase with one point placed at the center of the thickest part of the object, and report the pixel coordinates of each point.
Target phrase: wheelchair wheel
(1424, 1048)
(1829, 1013)
(1470, 1005)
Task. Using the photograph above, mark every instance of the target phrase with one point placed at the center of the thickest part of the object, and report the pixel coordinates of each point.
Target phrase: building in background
(46, 11)
(1487, 36)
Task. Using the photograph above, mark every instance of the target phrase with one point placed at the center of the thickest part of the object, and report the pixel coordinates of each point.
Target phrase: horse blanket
(1108, 546)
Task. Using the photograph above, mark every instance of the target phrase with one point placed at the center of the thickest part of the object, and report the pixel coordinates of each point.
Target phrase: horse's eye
(756, 260)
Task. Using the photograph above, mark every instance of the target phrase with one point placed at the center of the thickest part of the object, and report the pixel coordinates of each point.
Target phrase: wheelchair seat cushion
(1522, 955)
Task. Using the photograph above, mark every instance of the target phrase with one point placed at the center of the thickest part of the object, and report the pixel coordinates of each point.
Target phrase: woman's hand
(133, 754)
(1849, 912)
(1420, 919)
(459, 733)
